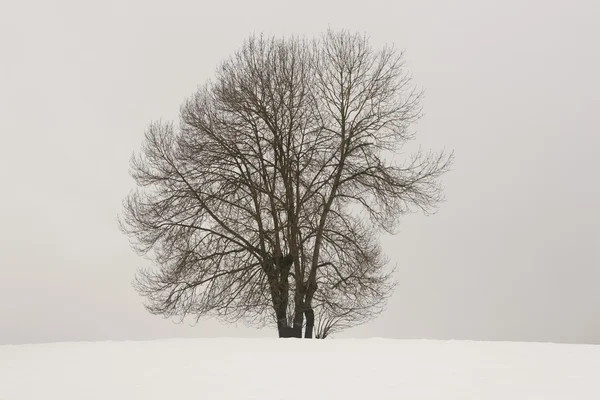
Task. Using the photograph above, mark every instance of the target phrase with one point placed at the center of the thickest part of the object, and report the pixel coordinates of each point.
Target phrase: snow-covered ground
(299, 369)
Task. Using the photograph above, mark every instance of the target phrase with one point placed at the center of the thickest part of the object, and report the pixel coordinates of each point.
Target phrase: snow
(270, 369)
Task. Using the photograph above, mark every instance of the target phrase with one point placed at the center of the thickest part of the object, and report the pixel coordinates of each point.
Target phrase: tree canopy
(266, 201)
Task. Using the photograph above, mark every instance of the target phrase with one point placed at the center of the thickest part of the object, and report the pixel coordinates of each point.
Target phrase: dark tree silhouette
(265, 203)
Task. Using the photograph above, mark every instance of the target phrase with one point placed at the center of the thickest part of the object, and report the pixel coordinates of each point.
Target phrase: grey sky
(512, 87)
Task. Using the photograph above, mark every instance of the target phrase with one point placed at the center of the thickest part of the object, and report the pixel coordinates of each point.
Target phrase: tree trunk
(310, 323)
(286, 332)
(282, 326)
(298, 321)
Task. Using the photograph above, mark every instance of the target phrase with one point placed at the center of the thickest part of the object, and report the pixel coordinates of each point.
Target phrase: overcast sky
(511, 86)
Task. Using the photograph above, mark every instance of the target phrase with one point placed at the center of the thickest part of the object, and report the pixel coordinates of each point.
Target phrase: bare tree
(265, 203)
